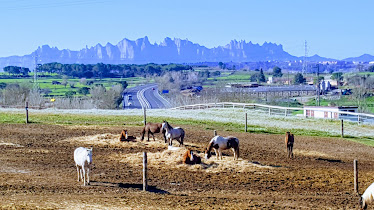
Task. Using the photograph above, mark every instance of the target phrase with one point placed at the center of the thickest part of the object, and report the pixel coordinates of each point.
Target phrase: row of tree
(100, 70)
(16, 70)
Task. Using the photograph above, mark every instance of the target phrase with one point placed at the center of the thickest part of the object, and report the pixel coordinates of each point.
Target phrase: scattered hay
(113, 140)
(310, 153)
(171, 159)
(10, 144)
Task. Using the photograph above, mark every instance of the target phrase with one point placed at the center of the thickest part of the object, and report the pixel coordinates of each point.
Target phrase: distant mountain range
(169, 51)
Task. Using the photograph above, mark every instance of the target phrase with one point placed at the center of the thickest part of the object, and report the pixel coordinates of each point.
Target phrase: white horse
(219, 143)
(367, 197)
(173, 133)
(83, 158)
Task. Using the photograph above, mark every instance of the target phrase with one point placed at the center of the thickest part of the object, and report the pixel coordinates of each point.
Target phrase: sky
(332, 28)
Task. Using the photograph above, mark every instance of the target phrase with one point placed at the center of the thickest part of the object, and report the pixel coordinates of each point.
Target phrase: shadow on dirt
(127, 185)
(330, 160)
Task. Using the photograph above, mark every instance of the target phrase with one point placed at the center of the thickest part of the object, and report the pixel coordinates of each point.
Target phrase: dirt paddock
(37, 171)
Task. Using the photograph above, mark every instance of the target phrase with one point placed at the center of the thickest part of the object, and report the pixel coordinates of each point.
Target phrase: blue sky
(336, 29)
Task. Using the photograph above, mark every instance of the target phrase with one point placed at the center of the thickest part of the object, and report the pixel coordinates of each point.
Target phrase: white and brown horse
(289, 140)
(190, 158)
(173, 133)
(219, 143)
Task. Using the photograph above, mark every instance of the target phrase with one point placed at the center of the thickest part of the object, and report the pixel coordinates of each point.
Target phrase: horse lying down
(125, 137)
(367, 197)
(219, 143)
(83, 160)
(190, 158)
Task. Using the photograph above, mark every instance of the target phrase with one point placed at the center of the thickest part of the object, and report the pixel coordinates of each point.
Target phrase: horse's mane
(210, 145)
(168, 125)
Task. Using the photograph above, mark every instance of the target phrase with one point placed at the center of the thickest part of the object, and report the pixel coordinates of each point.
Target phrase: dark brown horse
(153, 128)
(289, 140)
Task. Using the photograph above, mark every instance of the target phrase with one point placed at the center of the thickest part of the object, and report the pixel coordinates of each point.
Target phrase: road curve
(144, 96)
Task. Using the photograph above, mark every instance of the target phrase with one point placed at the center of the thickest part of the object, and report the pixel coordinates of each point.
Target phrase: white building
(327, 112)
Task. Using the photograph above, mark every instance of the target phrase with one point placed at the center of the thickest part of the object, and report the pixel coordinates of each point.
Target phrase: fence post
(358, 119)
(285, 112)
(246, 125)
(27, 111)
(145, 116)
(355, 176)
(215, 133)
(269, 111)
(342, 125)
(145, 184)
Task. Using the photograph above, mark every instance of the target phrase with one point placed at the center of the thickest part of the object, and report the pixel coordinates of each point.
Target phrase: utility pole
(305, 65)
(318, 87)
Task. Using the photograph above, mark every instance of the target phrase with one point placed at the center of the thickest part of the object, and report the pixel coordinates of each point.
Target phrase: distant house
(328, 112)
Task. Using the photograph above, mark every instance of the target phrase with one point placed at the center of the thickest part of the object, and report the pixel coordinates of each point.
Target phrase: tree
(338, 76)
(299, 79)
(84, 90)
(277, 72)
(262, 76)
(371, 68)
(220, 64)
(70, 93)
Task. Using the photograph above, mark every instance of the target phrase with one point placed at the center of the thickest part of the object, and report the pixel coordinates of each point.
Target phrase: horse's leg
(153, 134)
(148, 134)
(292, 151)
(88, 175)
(77, 171)
(220, 153)
(81, 173)
(84, 176)
(143, 132)
(215, 150)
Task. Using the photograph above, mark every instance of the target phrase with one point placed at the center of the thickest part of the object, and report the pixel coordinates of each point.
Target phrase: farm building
(327, 112)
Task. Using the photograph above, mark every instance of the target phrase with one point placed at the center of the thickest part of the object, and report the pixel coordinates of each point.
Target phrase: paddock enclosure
(37, 171)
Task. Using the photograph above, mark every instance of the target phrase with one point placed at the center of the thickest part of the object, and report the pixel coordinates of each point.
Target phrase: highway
(144, 96)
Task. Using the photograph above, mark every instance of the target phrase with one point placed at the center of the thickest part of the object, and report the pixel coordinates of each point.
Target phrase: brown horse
(153, 128)
(289, 140)
(125, 137)
(190, 158)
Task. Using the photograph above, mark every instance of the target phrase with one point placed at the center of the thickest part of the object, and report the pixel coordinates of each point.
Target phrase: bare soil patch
(37, 171)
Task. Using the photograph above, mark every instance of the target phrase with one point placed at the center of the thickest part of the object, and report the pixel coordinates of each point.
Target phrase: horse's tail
(237, 150)
(182, 136)
(143, 132)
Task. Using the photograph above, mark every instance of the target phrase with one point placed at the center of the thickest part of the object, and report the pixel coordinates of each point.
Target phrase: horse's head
(207, 154)
(191, 155)
(89, 155)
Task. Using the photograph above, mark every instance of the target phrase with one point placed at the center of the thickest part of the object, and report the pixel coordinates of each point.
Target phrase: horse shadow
(152, 189)
(330, 160)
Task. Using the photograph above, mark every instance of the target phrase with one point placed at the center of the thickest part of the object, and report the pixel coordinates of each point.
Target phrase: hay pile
(172, 159)
(113, 140)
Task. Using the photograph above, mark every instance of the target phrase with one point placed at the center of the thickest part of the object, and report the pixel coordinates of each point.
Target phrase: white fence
(279, 110)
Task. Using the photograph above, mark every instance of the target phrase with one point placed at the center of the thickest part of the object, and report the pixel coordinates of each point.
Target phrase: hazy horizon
(333, 29)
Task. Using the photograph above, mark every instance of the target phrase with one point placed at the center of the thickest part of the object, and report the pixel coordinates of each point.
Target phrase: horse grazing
(219, 143)
(367, 197)
(153, 128)
(289, 140)
(173, 133)
(125, 137)
(190, 158)
(83, 159)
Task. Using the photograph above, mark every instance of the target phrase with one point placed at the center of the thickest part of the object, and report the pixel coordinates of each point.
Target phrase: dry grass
(168, 159)
(310, 153)
(10, 144)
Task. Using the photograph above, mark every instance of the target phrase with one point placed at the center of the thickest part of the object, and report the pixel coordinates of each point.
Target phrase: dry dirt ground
(37, 171)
